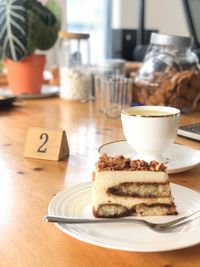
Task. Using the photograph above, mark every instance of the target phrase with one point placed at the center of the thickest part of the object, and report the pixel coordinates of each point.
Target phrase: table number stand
(46, 144)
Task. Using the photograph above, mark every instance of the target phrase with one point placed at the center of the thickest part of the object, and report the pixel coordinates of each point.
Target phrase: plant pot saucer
(46, 91)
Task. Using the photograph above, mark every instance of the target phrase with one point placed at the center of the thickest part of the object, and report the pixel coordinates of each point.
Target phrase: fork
(154, 226)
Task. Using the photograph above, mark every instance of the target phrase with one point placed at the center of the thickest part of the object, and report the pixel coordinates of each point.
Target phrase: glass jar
(103, 71)
(75, 77)
(110, 67)
(169, 75)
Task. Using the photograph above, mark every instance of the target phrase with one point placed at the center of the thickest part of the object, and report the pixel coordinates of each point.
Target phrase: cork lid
(71, 35)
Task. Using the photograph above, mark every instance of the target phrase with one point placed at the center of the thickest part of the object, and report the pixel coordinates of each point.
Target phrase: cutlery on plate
(154, 226)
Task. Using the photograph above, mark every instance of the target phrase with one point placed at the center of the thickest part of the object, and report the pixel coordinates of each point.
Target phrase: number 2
(41, 148)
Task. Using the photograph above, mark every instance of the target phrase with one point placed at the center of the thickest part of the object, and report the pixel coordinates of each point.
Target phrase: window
(91, 17)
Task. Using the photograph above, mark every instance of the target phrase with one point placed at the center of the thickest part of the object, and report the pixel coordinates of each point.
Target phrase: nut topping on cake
(120, 163)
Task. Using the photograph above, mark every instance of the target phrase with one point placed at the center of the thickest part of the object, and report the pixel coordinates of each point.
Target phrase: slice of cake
(124, 187)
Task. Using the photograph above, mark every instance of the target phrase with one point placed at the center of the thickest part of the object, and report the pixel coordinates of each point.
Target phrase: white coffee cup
(150, 130)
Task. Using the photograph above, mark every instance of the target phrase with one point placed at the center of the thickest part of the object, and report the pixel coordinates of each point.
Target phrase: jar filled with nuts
(170, 74)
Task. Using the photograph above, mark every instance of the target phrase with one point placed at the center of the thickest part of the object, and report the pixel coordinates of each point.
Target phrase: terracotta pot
(26, 76)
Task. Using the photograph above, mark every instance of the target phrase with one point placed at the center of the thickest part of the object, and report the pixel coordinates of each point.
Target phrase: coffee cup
(150, 130)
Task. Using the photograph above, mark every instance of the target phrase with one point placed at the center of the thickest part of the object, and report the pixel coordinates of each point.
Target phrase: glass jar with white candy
(75, 77)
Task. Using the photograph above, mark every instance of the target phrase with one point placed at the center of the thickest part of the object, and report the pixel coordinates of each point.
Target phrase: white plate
(46, 91)
(75, 202)
(179, 158)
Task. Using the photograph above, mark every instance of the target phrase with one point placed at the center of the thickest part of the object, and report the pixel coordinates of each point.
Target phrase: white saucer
(179, 158)
(76, 202)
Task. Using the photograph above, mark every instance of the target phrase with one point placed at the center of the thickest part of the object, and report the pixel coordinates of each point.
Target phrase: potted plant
(27, 25)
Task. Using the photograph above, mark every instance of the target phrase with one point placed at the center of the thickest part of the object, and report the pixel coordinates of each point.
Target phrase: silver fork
(154, 226)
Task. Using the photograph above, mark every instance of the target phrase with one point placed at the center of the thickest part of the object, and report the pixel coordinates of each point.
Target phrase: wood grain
(28, 185)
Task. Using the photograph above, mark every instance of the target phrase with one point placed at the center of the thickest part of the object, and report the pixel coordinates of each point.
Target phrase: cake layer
(140, 189)
(112, 178)
(100, 196)
(118, 210)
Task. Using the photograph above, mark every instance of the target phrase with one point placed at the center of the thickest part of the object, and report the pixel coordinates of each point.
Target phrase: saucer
(179, 158)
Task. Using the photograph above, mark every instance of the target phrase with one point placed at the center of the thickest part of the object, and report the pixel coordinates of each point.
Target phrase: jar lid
(72, 35)
(171, 40)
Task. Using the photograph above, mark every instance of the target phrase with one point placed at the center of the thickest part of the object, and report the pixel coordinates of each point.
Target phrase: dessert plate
(76, 202)
(179, 158)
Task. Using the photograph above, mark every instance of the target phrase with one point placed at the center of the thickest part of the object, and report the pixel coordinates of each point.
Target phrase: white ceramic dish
(179, 158)
(75, 202)
(150, 130)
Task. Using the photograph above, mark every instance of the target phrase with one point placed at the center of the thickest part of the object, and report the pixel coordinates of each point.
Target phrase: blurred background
(113, 24)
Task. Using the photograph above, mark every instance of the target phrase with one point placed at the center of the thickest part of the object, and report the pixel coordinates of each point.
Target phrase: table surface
(28, 185)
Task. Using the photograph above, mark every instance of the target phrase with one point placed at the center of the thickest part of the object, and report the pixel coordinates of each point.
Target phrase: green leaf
(26, 25)
(0, 52)
(55, 9)
(40, 36)
(13, 29)
(45, 24)
(32, 34)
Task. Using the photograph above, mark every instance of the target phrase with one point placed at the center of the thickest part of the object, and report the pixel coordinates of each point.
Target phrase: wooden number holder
(46, 144)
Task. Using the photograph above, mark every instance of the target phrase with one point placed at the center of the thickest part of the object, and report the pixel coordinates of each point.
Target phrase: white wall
(165, 15)
(124, 14)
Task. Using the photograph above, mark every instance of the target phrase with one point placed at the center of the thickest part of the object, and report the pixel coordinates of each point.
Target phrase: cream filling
(106, 179)
(99, 196)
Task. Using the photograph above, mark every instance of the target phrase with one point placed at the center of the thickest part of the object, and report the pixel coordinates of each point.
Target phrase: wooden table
(28, 185)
